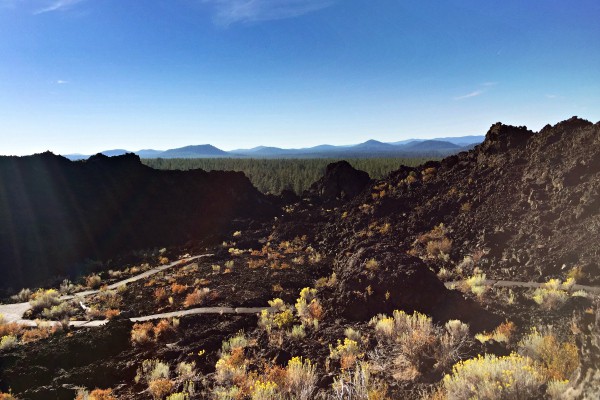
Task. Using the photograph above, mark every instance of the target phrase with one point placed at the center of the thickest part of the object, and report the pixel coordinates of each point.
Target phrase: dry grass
(196, 297)
(35, 334)
(141, 333)
(178, 289)
(558, 360)
(10, 329)
(93, 281)
(96, 394)
(160, 294)
(159, 388)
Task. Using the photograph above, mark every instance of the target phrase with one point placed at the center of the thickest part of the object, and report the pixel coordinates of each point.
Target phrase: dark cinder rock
(341, 181)
(392, 282)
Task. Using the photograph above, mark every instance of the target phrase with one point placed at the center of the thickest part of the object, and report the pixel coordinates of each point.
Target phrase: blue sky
(90, 75)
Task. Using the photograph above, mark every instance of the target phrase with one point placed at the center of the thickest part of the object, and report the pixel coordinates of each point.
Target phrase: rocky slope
(521, 206)
(529, 201)
(55, 214)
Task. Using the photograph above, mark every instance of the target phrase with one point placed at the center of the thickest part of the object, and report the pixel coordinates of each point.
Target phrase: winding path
(14, 312)
(511, 284)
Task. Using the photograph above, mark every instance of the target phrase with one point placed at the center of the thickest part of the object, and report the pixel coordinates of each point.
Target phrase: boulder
(341, 181)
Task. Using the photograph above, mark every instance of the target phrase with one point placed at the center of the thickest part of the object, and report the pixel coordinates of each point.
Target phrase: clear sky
(90, 75)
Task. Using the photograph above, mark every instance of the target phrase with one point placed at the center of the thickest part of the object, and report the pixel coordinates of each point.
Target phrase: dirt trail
(14, 312)
(181, 313)
(509, 284)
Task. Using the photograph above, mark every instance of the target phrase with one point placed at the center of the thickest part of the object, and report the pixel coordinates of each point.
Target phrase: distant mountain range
(439, 147)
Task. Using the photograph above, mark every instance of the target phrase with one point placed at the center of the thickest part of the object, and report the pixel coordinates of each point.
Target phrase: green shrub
(59, 312)
(553, 294)
(43, 299)
(477, 284)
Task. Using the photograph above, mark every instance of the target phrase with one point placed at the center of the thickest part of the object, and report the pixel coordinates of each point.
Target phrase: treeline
(275, 175)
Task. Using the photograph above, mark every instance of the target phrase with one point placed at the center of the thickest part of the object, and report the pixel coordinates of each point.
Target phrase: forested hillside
(274, 175)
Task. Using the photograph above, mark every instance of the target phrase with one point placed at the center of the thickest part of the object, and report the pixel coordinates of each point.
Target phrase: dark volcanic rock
(54, 213)
(37, 365)
(530, 202)
(341, 181)
(376, 280)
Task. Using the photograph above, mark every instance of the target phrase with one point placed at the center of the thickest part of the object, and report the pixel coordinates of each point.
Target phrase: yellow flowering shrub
(264, 391)
(347, 352)
(309, 308)
(490, 377)
(558, 360)
(301, 378)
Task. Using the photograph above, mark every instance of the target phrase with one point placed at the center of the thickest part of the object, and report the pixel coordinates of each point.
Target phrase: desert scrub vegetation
(196, 297)
(9, 328)
(280, 317)
(144, 333)
(308, 307)
(93, 281)
(413, 344)
(553, 294)
(232, 365)
(23, 296)
(491, 377)
(281, 321)
(297, 381)
(59, 312)
(358, 384)
(96, 394)
(555, 360)
(7, 396)
(476, 284)
(44, 299)
(540, 368)
(13, 334)
(503, 333)
(160, 382)
(43, 331)
(434, 244)
(106, 303)
(177, 288)
(348, 352)
(8, 342)
(68, 287)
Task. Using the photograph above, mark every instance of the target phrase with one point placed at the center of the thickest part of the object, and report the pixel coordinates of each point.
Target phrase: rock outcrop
(341, 181)
(529, 202)
(55, 213)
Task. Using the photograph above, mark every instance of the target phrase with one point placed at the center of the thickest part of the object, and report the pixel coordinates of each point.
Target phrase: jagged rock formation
(530, 201)
(341, 181)
(54, 213)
